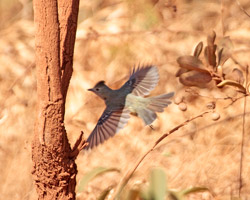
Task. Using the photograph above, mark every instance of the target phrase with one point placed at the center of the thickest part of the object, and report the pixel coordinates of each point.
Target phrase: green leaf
(180, 195)
(157, 183)
(175, 195)
(92, 174)
(232, 83)
(105, 193)
(194, 190)
(167, 154)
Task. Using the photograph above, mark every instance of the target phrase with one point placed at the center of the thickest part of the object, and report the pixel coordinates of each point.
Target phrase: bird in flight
(130, 98)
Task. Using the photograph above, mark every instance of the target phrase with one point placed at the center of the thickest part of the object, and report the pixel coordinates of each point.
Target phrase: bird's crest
(100, 83)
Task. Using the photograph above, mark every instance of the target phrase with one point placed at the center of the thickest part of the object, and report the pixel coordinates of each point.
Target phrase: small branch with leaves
(194, 72)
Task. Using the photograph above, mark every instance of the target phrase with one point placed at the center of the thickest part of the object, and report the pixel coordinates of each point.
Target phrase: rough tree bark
(54, 168)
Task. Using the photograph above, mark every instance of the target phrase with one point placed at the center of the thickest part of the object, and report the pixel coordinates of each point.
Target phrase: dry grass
(113, 36)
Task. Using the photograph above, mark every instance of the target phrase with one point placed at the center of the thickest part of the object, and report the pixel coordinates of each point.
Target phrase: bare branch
(240, 6)
(79, 145)
(222, 10)
(242, 138)
(233, 100)
(20, 77)
(130, 173)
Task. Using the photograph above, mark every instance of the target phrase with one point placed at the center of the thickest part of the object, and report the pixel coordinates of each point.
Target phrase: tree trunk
(54, 168)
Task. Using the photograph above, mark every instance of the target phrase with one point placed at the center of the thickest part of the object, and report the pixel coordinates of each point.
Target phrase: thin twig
(31, 65)
(130, 173)
(222, 19)
(236, 99)
(94, 35)
(242, 138)
(79, 145)
(237, 62)
(240, 6)
(233, 100)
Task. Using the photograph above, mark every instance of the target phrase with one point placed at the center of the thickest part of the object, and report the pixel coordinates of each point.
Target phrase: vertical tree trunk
(54, 169)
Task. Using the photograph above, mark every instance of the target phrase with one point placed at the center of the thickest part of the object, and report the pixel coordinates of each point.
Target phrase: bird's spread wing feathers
(109, 123)
(143, 80)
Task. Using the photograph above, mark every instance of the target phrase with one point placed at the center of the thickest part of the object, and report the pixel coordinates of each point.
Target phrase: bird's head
(101, 89)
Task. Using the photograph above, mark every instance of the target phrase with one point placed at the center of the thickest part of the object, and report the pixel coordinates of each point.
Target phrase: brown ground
(113, 36)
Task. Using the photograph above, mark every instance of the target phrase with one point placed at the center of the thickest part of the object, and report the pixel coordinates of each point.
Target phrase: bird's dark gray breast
(117, 98)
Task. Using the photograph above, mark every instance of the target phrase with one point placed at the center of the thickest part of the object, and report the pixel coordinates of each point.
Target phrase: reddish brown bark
(54, 168)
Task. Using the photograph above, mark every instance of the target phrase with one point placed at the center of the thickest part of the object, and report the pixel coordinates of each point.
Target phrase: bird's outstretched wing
(143, 80)
(109, 123)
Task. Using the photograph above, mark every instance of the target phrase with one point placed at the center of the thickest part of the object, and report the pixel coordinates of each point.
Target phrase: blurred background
(112, 37)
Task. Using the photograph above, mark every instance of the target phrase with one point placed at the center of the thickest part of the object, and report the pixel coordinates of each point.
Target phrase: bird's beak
(91, 89)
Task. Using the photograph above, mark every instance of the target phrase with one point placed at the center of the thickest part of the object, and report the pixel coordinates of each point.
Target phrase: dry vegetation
(113, 36)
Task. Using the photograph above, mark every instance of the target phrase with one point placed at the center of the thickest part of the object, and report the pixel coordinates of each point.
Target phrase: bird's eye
(97, 89)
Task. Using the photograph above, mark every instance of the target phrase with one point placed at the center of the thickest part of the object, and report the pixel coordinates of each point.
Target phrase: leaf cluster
(194, 72)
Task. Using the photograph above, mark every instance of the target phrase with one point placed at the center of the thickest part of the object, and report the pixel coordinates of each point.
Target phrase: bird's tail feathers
(147, 115)
(156, 104)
